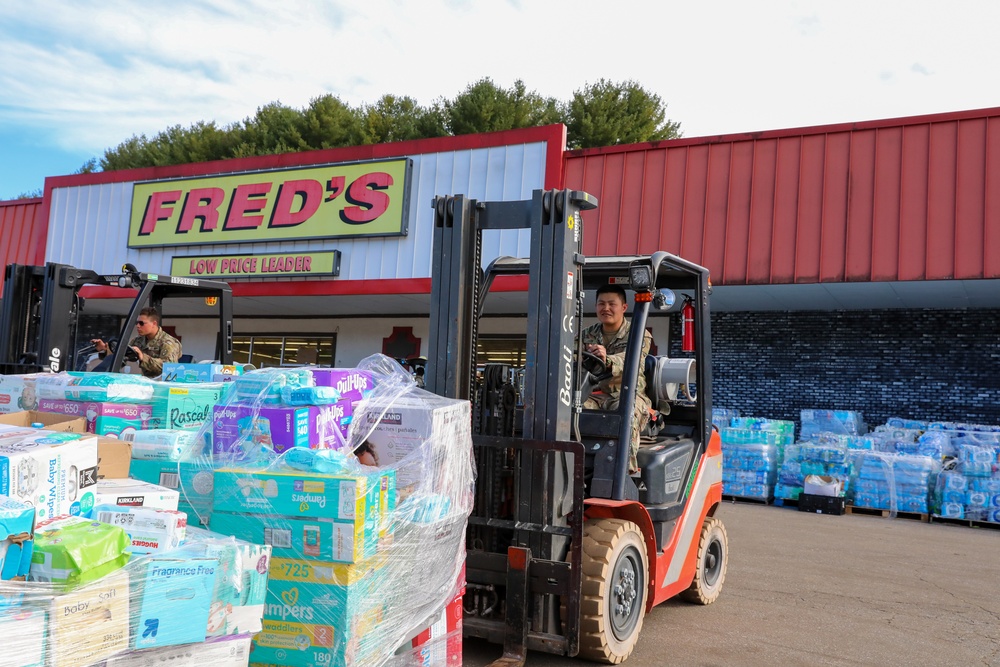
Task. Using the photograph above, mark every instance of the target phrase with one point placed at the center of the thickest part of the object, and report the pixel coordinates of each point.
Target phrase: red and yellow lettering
(335, 186)
(311, 193)
(201, 204)
(249, 198)
(369, 202)
(158, 208)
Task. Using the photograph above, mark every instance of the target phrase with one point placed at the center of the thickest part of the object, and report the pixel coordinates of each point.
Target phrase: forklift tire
(615, 578)
(710, 572)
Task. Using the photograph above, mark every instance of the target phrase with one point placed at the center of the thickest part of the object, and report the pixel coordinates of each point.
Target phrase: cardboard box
(240, 430)
(149, 530)
(135, 493)
(302, 515)
(49, 421)
(89, 624)
(113, 420)
(114, 457)
(823, 485)
(409, 433)
(17, 527)
(351, 383)
(54, 472)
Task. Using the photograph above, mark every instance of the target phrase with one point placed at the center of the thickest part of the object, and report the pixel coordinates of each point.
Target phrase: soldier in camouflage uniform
(153, 345)
(608, 340)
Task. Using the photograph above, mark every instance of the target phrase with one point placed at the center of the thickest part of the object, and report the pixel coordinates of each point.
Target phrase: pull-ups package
(71, 550)
(351, 383)
(17, 527)
(56, 473)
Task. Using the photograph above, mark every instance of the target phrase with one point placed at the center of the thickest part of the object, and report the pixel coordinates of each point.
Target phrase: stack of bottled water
(971, 488)
(844, 422)
(749, 462)
(722, 417)
(897, 482)
(832, 458)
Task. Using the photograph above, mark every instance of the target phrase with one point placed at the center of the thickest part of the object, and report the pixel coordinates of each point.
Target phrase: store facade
(855, 266)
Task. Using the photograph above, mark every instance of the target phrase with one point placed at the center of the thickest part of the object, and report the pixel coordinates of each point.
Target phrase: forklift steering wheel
(594, 365)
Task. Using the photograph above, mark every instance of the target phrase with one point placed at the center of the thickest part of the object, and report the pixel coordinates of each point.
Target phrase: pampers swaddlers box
(55, 473)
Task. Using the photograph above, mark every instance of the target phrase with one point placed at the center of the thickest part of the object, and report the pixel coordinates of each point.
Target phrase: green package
(70, 550)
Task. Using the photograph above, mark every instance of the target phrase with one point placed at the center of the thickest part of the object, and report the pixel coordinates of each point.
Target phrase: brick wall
(920, 364)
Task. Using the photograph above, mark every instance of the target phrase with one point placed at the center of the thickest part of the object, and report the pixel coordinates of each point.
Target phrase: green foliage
(601, 114)
(485, 107)
(607, 113)
(31, 194)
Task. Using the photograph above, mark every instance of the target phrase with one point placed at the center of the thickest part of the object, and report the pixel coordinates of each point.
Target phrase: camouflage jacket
(161, 349)
(611, 388)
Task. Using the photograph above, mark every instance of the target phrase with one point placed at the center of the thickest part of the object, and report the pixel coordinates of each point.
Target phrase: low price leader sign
(332, 201)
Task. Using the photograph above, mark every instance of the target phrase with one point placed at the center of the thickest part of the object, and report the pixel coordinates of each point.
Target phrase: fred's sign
(332, 201)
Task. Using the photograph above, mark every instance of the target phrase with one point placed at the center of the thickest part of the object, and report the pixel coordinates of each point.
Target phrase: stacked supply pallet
(895, 482)
(749, 463)
(842, 422)
(832, 461)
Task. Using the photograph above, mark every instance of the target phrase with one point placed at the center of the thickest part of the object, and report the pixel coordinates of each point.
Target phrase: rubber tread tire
(699, 592)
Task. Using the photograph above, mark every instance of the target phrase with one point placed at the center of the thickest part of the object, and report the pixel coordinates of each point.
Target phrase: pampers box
(112, 420)
(56, 473)
(328, 517)
(322, 615)
(409, 433)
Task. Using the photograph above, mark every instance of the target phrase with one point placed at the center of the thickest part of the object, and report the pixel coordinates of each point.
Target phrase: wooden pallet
(872, 511)
(989, 525)
(744, 499)
(785, 502)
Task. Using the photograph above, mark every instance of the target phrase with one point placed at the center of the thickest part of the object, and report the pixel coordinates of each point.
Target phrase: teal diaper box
(306, 515)
(192, 480)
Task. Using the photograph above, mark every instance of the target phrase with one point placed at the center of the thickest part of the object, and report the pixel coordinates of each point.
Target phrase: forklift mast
(542, 463)
(41, 306)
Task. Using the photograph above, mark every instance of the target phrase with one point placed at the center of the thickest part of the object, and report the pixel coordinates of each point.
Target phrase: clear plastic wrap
(833, 461)
(88, 601)
(844, 422)
(367, 522)
(748, 470)
(723, 417)
(360, 482)
(896, 482)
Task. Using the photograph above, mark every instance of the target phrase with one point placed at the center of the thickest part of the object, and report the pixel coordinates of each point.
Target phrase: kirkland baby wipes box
(17, 527)
(54, 472)
(135, 493)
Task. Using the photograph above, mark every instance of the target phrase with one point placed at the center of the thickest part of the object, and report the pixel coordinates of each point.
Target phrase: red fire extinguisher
(687, 326)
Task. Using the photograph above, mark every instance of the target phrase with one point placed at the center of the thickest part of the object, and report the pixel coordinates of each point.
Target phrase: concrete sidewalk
(808, 589)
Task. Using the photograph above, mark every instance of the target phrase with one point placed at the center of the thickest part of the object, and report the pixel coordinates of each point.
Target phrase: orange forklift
(566, 551)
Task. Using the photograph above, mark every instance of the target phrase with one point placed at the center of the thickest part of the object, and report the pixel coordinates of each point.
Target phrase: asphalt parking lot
(807, 589)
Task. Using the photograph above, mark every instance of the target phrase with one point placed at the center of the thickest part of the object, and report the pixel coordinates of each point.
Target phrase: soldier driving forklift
(566, 550)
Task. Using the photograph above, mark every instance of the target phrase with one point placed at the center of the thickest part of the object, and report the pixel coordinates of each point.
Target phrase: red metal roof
(902, 199)
(22, 234)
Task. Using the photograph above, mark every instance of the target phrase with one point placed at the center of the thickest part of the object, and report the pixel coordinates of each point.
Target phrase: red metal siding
(22, 239)
(902, 199)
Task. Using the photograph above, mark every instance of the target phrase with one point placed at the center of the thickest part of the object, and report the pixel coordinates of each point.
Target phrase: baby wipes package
(71, 550)
(135, 493)
(163, 444)
(53, 472)
(150, 530)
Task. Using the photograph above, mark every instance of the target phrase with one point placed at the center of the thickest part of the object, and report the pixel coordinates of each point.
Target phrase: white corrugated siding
(88, 225)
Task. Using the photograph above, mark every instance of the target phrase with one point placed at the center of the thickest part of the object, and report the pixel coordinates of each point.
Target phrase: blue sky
(78, 78)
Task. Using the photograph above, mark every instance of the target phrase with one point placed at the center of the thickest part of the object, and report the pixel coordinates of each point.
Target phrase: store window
(501, 349)
(273, 350)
